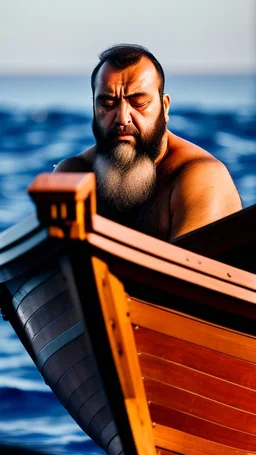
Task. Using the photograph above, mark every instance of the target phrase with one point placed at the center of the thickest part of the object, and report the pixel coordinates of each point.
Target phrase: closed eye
(138, 103)
(138, 100)
(108, 103)
(106, 100)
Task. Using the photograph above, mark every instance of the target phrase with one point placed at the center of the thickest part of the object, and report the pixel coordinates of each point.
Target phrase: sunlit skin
(192, 188)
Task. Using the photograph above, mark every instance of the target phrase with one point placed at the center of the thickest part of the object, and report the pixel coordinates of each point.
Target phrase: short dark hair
(123, 55)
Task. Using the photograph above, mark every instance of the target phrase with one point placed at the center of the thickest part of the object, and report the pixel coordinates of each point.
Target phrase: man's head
(129, 124)
(123, 55)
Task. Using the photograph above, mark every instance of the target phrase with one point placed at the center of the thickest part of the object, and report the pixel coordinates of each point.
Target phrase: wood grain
(193, 330)
(174, 254)
(199, 406)
(202, 428)
(168, 439)
(116, 316)
(199, 358)
(201, 384)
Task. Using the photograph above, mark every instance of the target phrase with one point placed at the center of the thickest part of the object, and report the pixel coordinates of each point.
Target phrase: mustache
(123, 130)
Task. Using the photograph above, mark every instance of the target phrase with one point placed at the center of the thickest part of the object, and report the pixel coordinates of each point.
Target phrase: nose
(123, 113)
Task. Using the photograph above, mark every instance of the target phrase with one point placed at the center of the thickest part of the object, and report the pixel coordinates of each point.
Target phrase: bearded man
(147, 178)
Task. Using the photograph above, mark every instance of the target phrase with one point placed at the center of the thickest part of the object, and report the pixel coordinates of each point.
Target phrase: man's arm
(203, 192)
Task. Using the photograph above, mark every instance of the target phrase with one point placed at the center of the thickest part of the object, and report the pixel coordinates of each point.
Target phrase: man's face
(129, 126)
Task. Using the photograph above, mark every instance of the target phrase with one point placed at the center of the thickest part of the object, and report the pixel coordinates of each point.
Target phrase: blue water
(44, 119)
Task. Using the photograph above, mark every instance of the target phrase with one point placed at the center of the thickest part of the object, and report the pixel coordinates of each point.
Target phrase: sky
(66, 36)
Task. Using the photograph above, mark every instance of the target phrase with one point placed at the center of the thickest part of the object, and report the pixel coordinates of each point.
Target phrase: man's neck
(163, 149)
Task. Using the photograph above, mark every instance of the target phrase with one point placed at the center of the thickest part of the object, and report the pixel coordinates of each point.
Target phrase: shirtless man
(147, 177)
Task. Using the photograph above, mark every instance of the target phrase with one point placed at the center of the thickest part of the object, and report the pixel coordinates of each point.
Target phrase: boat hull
(42, 312)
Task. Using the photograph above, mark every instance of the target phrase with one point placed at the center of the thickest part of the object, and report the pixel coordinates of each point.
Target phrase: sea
(44, 119)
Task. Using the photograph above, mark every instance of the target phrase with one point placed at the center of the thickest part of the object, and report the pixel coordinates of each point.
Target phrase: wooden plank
(116, 315)
(170, 439)
(200, 278)
(56, 190)
(160, 451)
(202, 428)
(171, 253)
(199, 406)
(204, 385)
(197, 358)
(190, 329)
(65, 203)
(74, 185)
(231, 239)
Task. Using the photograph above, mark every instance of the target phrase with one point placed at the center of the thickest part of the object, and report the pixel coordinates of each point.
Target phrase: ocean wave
(239, 146)
(46, 426)
(32, 141)
(10, 383)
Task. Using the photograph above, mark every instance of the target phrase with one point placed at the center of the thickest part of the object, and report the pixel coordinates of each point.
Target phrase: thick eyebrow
(136, 95)
(106, 96)
(109, 96)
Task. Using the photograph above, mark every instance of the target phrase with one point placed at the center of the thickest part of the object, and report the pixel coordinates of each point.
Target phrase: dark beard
(126, 173)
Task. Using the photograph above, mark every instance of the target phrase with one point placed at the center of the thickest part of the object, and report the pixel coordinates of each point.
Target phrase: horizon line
(80, 71)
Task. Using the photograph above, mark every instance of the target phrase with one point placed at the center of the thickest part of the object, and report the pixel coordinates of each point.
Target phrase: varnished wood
(191, 329)
(177, 279)
(231, 240)
(161, 451)
(65, 203)
(176, 406)
(198, 375)
(74, 186)
(202, 428)
(198, 359)
(170, 439)
(195, 404)
(171, 253)
(197, 382)
(47, 188)
(116, 314)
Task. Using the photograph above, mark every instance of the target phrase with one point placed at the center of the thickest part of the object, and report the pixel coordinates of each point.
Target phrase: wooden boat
(150, 347)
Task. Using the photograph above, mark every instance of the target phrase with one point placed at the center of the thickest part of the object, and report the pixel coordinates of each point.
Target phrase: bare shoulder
(193, 162)
(184, 152)
(79, 163)
(203, 190)
(205, 172)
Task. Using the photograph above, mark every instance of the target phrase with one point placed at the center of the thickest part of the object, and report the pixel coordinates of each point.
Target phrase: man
(147, 177)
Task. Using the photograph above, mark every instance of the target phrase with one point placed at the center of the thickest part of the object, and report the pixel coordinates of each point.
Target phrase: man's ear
(166, 104)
